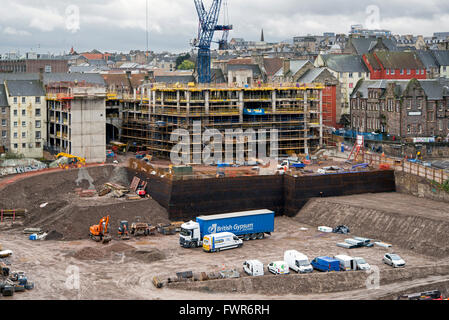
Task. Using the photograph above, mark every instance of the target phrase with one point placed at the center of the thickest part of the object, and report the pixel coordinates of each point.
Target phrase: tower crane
(208, 24)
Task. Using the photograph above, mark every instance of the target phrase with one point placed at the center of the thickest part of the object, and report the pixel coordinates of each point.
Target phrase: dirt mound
(54, 235)
(119, 247)
(425, 234)
(148, 256)
(90, 253)
(74, 221)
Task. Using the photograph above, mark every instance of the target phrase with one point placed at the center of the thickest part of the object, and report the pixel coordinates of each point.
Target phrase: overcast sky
(119, 25)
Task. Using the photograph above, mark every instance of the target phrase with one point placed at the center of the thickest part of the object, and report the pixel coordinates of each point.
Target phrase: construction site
(295, 111)
(371, 202)
(118, 220)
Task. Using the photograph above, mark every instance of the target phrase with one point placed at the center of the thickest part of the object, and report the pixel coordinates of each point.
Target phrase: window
(24, 124)
(4, 110)
(409, 71)
(350, 74)
(24, 145)
(3, 122)
(422, 71)
(440, 125)
(38, 134)
(24, 134)
(392, 71)
(24, 113)
(15, 113)
(15, 124)
(15, 100)
(38, 100)
(48, 68)
(388, 71)
(409, 129)
(16, 145)
(38, 145)
(16, 135)
(402, 71)
(38, 124)
(23, 100)
(360, 74)
(4, 134)
(38, 112)
(419, 128)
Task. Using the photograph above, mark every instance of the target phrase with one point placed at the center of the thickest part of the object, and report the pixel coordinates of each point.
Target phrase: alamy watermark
(207, 147)
(72, 18)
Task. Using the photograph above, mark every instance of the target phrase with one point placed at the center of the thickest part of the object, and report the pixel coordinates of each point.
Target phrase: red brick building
(34, 66)
(387, 65)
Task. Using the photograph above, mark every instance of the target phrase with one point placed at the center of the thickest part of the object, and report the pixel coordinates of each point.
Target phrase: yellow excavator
(99, 232)
(74, 161)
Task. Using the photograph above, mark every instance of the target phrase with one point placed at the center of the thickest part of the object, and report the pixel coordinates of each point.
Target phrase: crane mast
(208, 24)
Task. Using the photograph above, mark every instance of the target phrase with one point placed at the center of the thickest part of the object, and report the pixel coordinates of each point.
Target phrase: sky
(120, 25)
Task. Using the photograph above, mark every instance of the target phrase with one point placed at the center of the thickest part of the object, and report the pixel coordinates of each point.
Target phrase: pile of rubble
(12, 281)
(189, 276)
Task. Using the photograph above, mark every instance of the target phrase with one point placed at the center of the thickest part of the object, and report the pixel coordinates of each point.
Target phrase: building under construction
(295, 111)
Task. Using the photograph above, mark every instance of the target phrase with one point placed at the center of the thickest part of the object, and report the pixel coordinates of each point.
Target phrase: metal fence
(417, 169)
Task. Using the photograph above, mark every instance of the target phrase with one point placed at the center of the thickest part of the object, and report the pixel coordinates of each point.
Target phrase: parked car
(393, 260)
(278, 267)
(253, 268)
(325, 264)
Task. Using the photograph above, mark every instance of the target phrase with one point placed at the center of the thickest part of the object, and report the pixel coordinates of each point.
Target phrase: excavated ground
(418, 230)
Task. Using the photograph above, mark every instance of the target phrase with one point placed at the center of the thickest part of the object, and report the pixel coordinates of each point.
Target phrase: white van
(278, 267)
(253, 268)
(347, 263)
(297, 261)
(221, 241)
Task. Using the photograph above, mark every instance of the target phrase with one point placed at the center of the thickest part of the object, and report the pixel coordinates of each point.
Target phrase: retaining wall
(286, 195)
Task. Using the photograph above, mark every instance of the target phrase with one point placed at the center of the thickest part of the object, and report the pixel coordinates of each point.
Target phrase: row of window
(37, 123)
(37, 112)
(402, 71)
(36, 145)
(36, 100)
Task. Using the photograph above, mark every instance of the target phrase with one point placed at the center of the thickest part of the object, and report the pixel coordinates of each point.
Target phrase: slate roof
(435, 89)
(399, 60)
(29, 88)
(3, 98)
(364, 45)
(175, 79)
(345, 62)
(441, 56)
(427, 58)
(311, 75)
(55, 77)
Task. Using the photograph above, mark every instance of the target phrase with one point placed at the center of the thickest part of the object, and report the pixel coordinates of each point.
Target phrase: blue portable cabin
(255, 222)
(325, 264)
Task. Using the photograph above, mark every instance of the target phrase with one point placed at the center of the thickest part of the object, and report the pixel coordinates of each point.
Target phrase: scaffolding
(296, 112)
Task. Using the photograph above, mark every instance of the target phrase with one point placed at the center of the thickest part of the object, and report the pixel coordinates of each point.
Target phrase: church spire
(262, 38)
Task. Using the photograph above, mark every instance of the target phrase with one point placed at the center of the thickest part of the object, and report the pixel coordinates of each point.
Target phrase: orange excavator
(99, 232)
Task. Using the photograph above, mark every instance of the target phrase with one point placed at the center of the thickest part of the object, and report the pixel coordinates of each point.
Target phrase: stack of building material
(86, 193)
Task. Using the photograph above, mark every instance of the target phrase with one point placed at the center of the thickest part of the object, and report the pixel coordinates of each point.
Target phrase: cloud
(121, 24)
(13, 32)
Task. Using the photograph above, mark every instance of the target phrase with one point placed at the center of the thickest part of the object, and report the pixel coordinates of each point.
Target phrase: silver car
(393, 260)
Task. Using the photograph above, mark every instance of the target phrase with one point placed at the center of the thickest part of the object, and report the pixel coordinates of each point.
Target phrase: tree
(181, 59)
(186, 65)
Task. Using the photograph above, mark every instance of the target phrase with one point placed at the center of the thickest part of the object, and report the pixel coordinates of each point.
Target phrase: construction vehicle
(99, 232)
(142, 228)
(123, 230)
(74, 161)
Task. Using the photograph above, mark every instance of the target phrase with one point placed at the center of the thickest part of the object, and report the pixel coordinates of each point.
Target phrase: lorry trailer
(247, 225)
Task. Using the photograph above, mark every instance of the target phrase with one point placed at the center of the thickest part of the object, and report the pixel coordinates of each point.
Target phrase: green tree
(186, 65)
(181, 59)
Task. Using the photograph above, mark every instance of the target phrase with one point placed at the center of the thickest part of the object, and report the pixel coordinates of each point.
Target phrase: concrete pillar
(162, 105)
(154, 101)
(241, 104)
(178, 101)
(273, 100)
(321, 118)
(206, 101)
(187, 95)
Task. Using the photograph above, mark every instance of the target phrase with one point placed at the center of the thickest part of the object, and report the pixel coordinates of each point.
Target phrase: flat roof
(235, 214)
